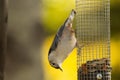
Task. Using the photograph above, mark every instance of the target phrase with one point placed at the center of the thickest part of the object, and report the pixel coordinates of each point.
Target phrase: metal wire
(93, 32)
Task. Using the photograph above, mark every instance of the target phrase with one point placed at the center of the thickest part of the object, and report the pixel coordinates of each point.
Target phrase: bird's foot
(79, 46)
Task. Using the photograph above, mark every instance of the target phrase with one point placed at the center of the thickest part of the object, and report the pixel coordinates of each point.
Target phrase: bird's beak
(61, 69)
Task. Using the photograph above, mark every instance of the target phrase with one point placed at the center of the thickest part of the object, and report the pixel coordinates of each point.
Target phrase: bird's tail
(71, 17)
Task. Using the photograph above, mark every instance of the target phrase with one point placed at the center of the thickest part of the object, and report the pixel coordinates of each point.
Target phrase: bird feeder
(93, 36)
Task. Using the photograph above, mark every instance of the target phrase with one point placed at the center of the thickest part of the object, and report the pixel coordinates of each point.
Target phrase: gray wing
(57, 38)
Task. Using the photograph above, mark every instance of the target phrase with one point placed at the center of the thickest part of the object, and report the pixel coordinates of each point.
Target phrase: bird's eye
(53, 63)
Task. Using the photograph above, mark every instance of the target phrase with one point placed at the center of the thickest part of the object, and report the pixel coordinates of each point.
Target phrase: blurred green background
(54, 13)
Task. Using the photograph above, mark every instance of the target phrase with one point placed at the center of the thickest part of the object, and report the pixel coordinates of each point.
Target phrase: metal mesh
(93, 34)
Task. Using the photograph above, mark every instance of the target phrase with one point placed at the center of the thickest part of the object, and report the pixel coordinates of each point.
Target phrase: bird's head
(54, 62)
(56, 66)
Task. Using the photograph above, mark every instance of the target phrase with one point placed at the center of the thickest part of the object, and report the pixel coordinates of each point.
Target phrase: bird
(63, 44)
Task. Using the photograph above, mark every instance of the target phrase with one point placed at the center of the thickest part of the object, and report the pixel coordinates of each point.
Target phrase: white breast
(66, 45)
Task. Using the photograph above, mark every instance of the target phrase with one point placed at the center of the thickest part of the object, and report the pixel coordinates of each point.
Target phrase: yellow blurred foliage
(55, 12)
(115, 56)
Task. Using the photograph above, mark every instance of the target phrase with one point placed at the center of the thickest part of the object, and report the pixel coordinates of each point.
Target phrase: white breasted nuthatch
(64, 42)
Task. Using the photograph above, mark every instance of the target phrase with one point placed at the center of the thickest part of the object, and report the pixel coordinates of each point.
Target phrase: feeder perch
(93, 33)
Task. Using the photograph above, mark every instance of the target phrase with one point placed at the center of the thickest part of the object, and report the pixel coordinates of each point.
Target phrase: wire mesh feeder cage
(93, 33)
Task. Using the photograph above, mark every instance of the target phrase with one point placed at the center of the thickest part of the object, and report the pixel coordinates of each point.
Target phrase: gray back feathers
(57, 38)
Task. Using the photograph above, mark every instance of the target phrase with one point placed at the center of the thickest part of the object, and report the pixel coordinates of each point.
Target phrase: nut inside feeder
(95, 69)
